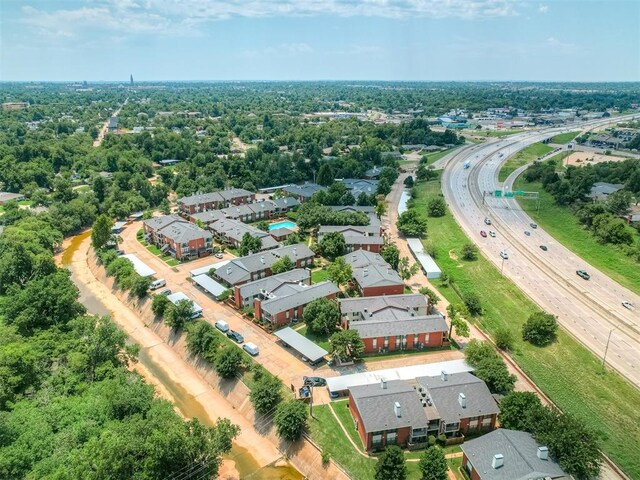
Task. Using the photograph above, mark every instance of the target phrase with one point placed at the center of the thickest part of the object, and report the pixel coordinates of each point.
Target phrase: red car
(483, 233)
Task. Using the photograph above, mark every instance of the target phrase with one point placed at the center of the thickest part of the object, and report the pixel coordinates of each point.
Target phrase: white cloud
(543, 8)
(563, 47)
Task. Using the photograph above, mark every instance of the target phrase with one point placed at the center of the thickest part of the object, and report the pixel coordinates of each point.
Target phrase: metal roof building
(429, 265)
(210, 285)
(302, 344)
(176, 297)
(139, 266)
(203, 270)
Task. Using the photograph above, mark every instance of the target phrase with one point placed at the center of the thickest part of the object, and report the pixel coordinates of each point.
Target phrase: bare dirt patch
(580, 159)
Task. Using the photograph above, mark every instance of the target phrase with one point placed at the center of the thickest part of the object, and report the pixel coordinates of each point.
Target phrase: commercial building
(373, 276)
(254, 267)
(243, 295)
(178, 237)
(509, 454)
(214, 200)
(232, 232)
(287, 301)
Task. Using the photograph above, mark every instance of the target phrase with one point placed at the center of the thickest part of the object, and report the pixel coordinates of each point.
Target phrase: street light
(606, 349)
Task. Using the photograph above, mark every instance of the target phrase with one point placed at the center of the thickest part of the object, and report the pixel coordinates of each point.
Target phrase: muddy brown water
(245, 464)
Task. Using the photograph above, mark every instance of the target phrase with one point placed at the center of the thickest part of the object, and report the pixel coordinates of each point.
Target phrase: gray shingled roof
(349, 230)
(376, 406)
(252, 289)
(235, 230)
(306, 190)
(383, 305)
(219, 196)
(209, 217)
(363, 240)
(520, 452)
(240, 269)
(285, 202)
(445, 393)
(371, 270)
(184, 232)
(392, 327)
(295, 295)
(281, 232)
(160, 222)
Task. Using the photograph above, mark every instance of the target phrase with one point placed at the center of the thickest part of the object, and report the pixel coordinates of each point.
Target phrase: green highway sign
(508, 194)
(498, 193)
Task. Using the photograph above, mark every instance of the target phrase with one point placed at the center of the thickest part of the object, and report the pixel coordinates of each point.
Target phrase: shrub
(228, 362)
(472, 302)
(503, 338)
(469, 252)
(540, 329)
(431, 440)
(437, 207)
(202, 340)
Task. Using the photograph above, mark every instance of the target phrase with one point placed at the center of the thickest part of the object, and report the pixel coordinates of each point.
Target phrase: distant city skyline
(405, 40)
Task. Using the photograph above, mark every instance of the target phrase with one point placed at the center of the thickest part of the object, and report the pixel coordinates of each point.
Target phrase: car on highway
(315, 381)
(627, 305)
(504, 254)
(533, 225)
(487, 221)
(483, 234)
(527, 233)
(543, 248)
(583, 274)
(235, 336)
(492, 233)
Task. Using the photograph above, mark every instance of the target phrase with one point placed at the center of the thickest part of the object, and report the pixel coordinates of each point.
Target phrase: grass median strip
(566, 371)
(527, 155)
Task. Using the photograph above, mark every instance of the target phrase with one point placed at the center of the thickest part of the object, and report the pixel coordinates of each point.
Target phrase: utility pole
(606, 348)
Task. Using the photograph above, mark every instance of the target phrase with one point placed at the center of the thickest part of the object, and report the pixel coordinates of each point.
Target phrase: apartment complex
(178, 237)
(214, 200)
(372, 275)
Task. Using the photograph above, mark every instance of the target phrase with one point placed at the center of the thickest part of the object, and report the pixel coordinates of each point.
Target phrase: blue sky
(579, 40)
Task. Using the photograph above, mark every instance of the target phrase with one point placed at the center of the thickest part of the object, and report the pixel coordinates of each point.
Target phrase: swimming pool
(284, 224)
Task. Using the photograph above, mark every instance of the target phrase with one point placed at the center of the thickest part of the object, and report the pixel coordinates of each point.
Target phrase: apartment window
(375, 343)
(398, 341)
(404, 341)
(386, 342)
(376, 439)
(486, 422)
(415, 340)
(391, 437)
(287, 315)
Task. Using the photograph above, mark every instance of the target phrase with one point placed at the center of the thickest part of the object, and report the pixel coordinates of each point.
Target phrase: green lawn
(319, 275)
(321, 340)
(565, 371)
(407, 353)
(455, 464)
(434, 157)
(564, 227)
(499, 133)
(527, 155)
(563, 138)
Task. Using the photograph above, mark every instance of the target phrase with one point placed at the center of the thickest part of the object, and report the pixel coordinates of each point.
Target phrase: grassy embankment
(566, 371)
(524, 156)
(563, 138)
(565, 228)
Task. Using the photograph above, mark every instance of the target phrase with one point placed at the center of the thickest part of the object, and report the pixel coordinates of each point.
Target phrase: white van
(222, 326)
(157, 284)
(251, 349)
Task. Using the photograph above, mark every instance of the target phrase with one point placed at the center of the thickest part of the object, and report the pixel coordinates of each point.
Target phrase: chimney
(397, 410)
(444, 375)
(462, 400)
(383, 384)
(498, 461)
(543, 453)
(228, 270)
(353, 257)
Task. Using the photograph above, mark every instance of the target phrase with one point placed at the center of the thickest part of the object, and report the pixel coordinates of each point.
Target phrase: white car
(492, 233)
(628, 305)
(504, 254)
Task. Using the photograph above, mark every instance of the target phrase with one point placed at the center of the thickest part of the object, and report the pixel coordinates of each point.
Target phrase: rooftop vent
(228, 270)
(498, 461)
(262, 258)
(383, 384)
(462, 400)
(397, 410)
(365, 272)
(543, 453)
(444, 375)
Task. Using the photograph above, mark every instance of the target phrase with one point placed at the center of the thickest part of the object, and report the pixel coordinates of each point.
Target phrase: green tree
(249, 245)
(408, 182)
(405, 270)
(469, 252)
(178, 314)
(159, 305)
(472, 302)
(503, 338)
(456, 322)
(411, 224)
(431, 295)
(540, 329)
(433, 465)
(346, 345)
(228, 362)
(437, 207)
(519, 410)
(203, 340)
(384, 187)
(290, 420)
(322, 316)
(266, 393)
(325, 175)
(391, 464)
(381, 209)
(391, 254)
(101, 231)
(332, 245)
(282, 265)
(340, 272)
(489, 367)
(140, 286)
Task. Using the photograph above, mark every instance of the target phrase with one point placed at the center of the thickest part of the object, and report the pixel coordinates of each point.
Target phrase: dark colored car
(315, 381)
(543, 248)
(120, 252)
(583, 274)
(527, 233)
(483, 234)
(166, 291)
(487, 221)
(235, 336)
(533, 225)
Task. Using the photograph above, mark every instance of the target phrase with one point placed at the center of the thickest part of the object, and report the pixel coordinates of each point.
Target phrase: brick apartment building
(232, 232)
(365, 237)
(372, 276)
(249, 212)
(243, 295)
(177, 237)
(214, 200)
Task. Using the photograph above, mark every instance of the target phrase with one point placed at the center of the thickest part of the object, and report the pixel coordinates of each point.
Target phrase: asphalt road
(591, 310)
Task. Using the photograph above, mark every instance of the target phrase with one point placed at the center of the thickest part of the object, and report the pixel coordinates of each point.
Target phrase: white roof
(402, 205)
(301, 343)
(338, 384)
(206, 268)
(139, 266)
(428, 264)
(119, 224)
(210, 285)
(176, 297)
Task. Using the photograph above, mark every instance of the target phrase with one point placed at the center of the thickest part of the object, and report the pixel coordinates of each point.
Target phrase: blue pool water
(285, 224)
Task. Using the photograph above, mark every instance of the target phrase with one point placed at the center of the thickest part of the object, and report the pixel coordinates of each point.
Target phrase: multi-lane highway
(592, 310)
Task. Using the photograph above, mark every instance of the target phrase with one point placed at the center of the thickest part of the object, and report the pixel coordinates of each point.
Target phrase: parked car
(533, 225)
(235, 336)
(487, 221)
(543, 248)
(492, 233)
(504, 254)
(583, 274)
(315, 381)
(156, 284)
(628, 305)
(483, 234)
(222, 326)
(120, 252)
(217, 255)
(527, 233)
(251, 349)
(166, 291)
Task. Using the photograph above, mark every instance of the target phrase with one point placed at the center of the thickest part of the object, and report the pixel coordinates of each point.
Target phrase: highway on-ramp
(591, 310)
